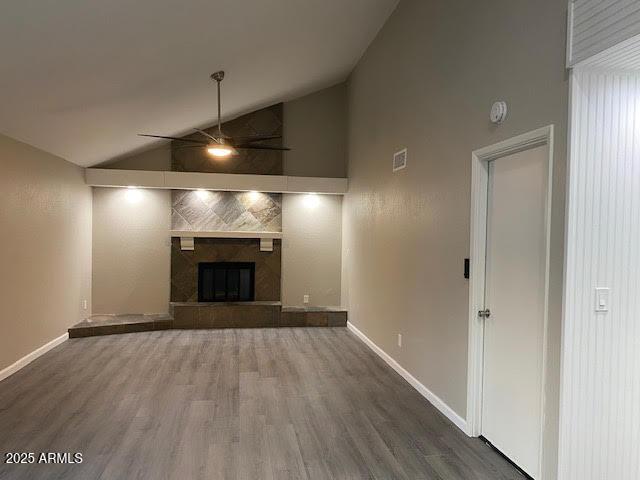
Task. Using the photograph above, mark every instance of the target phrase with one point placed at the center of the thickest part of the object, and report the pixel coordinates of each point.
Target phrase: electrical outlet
(84, 304)
(400, 340)
(305, 299)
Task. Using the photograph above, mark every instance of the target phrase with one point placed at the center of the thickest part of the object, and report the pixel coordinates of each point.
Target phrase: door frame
(479, 197)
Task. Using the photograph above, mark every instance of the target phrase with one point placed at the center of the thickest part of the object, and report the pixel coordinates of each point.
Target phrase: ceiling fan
(221, 145)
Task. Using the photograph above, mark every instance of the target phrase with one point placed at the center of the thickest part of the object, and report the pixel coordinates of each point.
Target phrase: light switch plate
(305, 299)
(602, 299)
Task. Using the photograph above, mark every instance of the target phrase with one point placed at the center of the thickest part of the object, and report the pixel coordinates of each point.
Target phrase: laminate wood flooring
(287, 403)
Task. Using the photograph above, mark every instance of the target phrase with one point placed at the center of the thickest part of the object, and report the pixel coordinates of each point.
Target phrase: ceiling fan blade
(202, 132)
(258, 147)
(256, 138)
(200, 142)
(240, 147)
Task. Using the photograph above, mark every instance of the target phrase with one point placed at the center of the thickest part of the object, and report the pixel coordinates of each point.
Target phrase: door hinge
(484, 313)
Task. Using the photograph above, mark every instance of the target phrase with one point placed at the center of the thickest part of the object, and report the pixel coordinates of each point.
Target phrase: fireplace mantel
(187, 237)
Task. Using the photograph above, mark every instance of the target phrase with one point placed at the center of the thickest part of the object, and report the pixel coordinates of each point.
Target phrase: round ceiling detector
(498, 112)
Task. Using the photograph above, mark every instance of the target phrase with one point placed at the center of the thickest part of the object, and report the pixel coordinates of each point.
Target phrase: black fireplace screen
(226, 282)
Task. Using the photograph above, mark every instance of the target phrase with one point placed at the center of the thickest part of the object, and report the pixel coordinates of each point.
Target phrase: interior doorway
(511, 202)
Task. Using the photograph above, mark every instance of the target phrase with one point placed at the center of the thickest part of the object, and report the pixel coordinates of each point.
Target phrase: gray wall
(311, 249)
(315, 128)
(156, 159)
(131, 250)
(45, 248)
(427, 83)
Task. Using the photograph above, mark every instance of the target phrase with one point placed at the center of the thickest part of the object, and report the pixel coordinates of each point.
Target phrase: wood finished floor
(302, 403)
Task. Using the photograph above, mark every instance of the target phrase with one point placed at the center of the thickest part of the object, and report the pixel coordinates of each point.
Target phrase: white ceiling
(81, 78)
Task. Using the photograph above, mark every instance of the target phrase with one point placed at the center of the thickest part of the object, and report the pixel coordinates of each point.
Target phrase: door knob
(484, 313)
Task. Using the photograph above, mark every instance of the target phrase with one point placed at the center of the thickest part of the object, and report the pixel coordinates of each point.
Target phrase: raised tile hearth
(201, 315)
(254, 315)
(111, 324)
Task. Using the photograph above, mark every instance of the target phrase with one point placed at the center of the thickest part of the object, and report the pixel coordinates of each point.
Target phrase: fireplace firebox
(226, 281)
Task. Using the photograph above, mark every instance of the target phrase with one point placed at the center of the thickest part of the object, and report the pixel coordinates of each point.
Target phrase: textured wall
(155, 159)
(315, 128)
(184, 265)
(45, 248)
(600, 436)
(227, 211)
(406, 234)
(311, 249)
(131, 250)
(267, 121)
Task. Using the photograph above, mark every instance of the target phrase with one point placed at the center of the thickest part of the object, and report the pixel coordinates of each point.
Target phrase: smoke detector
(498, 112)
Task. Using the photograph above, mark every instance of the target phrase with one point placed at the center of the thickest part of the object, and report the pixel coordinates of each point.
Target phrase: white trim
(436, 401)
(573, 129)
(569, 52)
(27, 359)
(479, 186)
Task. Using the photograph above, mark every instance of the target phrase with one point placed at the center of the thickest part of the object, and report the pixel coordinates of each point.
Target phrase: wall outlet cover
(305, 299)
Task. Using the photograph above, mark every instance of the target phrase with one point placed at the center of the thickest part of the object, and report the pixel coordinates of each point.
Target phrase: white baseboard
(27, 359)
(436, 401)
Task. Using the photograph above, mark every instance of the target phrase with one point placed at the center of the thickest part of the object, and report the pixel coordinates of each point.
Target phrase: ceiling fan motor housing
(218, 76)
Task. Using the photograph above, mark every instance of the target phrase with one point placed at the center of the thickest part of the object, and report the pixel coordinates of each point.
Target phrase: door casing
(479, 194)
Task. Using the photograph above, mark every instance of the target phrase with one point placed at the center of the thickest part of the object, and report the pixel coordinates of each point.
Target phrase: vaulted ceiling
(81, 78)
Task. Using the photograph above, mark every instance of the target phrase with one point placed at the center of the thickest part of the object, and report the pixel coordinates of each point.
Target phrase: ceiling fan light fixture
(218, 145)
(221, 150)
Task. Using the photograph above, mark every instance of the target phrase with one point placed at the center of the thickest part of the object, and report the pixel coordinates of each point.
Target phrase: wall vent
(399, 160)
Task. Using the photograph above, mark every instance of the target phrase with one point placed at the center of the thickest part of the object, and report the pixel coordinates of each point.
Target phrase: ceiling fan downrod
(218, 77)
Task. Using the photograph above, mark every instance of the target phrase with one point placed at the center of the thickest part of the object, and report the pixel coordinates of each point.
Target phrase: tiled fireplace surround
(225, 212)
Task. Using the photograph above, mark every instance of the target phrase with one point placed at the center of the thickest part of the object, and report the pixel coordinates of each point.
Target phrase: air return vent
(399, 160)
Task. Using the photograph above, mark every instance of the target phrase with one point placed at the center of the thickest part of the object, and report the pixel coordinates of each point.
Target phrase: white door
(515, 296)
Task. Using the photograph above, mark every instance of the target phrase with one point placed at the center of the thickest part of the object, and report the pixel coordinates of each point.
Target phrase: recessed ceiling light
(311, 200)
(253, 195)
(202, 193)
(133, 194)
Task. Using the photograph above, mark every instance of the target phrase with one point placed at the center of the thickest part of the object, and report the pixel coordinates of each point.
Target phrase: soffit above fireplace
(103, 177)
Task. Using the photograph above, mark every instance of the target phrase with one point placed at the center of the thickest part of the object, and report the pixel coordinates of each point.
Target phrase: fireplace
(226, 281)
(186, 271)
